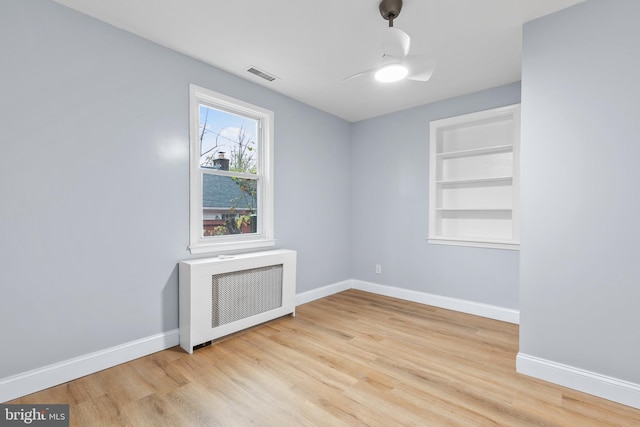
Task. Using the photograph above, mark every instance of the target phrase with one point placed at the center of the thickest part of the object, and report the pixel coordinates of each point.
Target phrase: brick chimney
(221, 162)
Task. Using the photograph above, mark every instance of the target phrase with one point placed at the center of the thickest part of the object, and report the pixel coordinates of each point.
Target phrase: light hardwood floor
(353, 358)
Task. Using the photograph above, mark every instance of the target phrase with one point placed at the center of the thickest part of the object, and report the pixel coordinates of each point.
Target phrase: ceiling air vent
(260, 73)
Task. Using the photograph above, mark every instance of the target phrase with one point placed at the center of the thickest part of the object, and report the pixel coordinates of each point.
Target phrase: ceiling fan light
(391, 73)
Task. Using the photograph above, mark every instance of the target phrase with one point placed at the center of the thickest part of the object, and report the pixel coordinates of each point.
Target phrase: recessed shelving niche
(474, 179)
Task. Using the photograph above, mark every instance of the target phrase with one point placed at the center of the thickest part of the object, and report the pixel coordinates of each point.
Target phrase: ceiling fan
(396, 63)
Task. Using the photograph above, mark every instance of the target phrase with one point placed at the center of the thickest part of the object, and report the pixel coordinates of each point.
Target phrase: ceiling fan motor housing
(390, 9)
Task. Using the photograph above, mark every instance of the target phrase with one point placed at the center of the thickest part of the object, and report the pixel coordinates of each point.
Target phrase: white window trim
(265, 235)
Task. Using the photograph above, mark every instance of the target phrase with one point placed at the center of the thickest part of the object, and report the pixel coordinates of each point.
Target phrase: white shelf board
(474, 209)
(475, 180)
(475, 242)
(476, 151)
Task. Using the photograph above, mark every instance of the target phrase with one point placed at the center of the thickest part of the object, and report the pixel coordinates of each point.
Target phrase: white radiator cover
(225, 294)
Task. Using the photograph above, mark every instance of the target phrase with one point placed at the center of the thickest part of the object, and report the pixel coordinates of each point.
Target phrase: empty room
(328, 213)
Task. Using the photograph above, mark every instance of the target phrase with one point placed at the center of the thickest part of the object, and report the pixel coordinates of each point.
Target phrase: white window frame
(264, 237)
(475, 209)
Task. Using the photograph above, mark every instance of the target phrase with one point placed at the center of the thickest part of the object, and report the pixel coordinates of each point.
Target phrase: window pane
(227, 141)
(228, 205)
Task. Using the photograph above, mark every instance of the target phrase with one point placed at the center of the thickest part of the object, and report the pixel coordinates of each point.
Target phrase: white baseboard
(470, 307)
(589, 382)
(58, 373)
(325, 291)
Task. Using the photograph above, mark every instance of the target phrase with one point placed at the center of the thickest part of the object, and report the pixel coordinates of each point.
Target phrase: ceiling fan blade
(421, 67)
(362, 73)
(395, 42)
(385, 60)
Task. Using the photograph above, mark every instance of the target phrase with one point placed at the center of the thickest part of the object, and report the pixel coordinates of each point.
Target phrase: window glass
(227, 141)
(229, 205)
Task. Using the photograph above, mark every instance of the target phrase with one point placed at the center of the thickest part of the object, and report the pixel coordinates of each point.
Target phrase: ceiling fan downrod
(390, 9)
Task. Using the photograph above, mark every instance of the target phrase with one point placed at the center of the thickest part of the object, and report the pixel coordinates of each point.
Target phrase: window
(231, 173)
(474, 179)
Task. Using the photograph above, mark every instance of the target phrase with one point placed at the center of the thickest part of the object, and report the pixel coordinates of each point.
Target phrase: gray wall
(389, 209)
(579, 288)
(94, 183)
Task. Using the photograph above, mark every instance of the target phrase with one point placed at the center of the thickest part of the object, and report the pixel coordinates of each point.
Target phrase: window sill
(220, 247)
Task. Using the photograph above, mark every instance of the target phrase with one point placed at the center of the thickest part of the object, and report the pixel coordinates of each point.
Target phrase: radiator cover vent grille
(241, 294)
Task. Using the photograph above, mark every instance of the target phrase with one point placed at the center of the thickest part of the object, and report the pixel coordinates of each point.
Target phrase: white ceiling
(311, 46)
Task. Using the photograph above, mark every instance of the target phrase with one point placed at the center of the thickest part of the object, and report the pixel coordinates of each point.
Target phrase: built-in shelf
(486, 242)
(476, 151)
(474, 209)
(473, 187)
(488, 180)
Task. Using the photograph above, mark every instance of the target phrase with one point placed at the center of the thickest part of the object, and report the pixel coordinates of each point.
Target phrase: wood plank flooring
(351, 359)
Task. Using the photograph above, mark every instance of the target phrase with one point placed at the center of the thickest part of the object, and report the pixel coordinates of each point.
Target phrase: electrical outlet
(378, 269)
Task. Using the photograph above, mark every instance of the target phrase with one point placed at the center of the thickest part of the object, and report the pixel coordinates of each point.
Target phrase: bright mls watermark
(34, 415)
